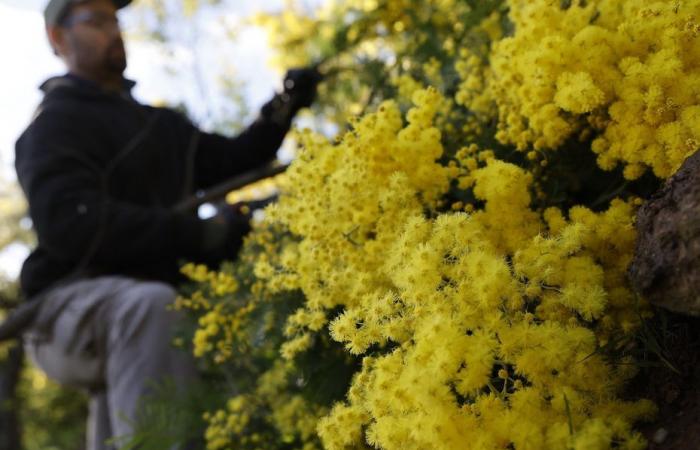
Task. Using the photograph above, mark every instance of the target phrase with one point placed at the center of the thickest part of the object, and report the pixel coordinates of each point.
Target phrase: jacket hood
(77, 85)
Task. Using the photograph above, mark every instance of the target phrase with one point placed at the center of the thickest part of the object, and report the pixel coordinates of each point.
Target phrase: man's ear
(57, 39)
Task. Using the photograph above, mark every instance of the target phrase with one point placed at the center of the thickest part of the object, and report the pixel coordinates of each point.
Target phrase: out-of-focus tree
(35, 413)
(12, 210)
(185, 26)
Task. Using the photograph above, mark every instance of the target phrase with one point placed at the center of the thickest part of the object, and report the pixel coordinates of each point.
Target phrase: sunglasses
(98, 20)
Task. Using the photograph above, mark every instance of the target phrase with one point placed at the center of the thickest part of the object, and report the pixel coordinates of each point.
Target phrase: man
(102, 173)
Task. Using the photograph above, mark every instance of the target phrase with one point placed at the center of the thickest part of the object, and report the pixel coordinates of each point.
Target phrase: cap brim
(121, 3)
(54, 10)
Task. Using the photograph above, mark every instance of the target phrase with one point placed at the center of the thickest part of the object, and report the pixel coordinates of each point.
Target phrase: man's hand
(300, 85)
(224, 233)
(299, 92)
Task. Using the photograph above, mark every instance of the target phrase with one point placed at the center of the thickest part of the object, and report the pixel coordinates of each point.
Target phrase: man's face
(90, 41)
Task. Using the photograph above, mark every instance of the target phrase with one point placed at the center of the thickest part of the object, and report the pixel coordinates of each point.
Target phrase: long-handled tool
(220, 191)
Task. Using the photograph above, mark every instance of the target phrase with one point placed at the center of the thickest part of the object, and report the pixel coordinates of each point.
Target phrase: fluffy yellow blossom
(514, 292)
(577, 93)
(477, 308)
(221, 283)
(625, 70)
(445, 300)
(292, 415)
(407, 86)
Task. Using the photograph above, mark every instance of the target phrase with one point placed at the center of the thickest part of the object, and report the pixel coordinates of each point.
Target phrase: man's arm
(219, 158)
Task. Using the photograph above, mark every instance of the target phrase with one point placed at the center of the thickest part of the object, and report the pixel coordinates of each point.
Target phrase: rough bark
(666, 265)
(10, 368)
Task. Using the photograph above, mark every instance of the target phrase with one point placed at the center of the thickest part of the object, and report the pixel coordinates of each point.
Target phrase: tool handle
(220, 191)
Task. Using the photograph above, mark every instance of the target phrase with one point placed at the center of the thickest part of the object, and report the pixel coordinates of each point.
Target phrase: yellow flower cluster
(196, 302)
(519, 364)
(220, 283)
(474, 90)
(262, 189)
(600, 273)
(291, 415)
(346, 200)
(231, 421)
(472, 67)
(478, 310)
(238, 334)
(519, 300)
(406, 86)
(627, 70)
(218, 328)
(218, 332)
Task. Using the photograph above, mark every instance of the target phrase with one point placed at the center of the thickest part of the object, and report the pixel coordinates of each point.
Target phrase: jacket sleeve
(73, 215)
(219, 158)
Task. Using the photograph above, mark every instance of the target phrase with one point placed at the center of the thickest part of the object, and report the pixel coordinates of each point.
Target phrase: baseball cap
(55, 9)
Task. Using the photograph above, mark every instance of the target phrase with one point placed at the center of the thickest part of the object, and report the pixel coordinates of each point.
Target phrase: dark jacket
(101, 173)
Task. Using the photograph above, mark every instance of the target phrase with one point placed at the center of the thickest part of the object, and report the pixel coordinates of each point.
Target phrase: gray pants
(110, 335)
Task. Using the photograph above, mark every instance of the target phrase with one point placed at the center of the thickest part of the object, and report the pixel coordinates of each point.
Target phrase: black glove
(224, 233)
(300, 85)
(299, 92)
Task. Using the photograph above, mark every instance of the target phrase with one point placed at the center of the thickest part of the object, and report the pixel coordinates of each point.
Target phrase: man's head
(86, 35)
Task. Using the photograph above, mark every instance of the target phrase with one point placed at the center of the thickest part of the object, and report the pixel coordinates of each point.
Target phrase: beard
(115, 58)
(95, 62)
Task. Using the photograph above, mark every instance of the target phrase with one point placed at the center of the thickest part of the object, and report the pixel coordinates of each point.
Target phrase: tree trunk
(10, 368)
(666, 264)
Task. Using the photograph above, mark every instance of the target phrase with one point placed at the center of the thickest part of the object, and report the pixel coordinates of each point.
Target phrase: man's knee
(155, 294)
(145, 306)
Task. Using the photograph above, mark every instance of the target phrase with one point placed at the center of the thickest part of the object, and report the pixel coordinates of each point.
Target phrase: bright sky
(28, 61)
